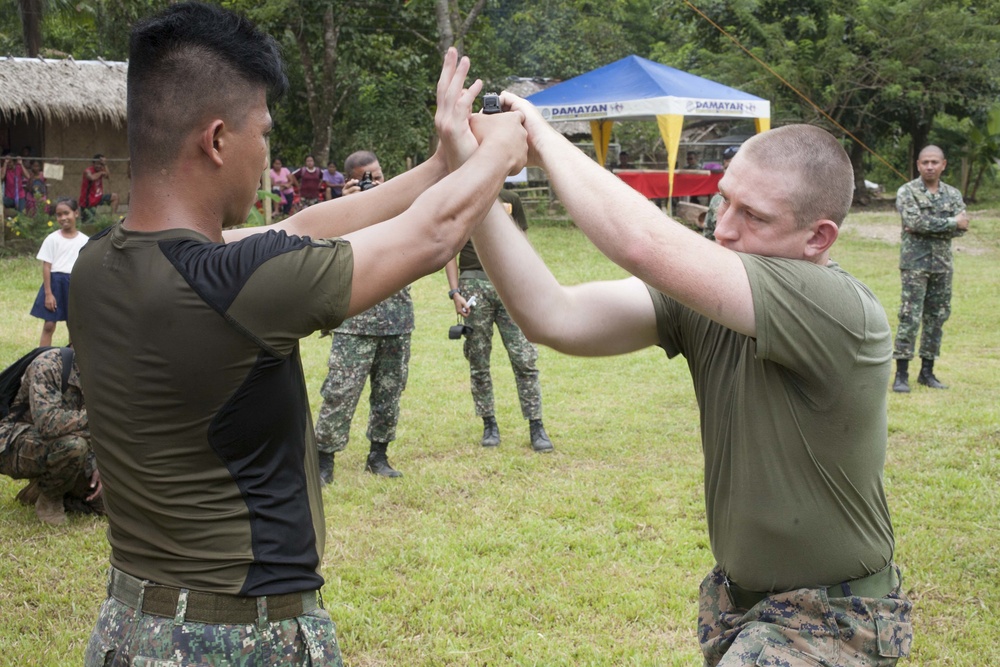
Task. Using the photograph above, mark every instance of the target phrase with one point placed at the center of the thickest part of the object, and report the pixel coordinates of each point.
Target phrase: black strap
(67, 365)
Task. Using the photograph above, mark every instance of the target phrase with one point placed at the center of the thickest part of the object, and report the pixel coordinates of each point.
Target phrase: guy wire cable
(795, 90)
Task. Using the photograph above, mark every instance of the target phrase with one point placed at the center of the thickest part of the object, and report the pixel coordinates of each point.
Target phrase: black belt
(876, 585)
(204, 607)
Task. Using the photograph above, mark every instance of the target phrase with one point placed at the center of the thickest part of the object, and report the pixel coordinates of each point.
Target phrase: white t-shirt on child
(60, 251)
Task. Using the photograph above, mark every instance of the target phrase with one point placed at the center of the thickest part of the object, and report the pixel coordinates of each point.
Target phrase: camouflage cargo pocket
(894, 637)
(783, 656)
(320, 636)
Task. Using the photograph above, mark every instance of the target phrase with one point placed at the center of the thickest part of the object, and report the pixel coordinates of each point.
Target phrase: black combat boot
(491, 432)
(539, 438)
(926, 376)
(378, 462)
(901, 385)
(326, 468)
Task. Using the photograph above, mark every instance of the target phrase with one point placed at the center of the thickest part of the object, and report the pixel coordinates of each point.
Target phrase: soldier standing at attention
(374, 343)
(933, 214)
(470, 281)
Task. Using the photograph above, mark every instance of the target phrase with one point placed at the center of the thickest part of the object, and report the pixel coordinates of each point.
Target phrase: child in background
(58, 254)
(39, 189)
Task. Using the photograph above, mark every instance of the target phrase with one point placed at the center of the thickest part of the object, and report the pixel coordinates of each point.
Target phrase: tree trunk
(451, 28)
(321, 87)
(857, 155)
(31, 25)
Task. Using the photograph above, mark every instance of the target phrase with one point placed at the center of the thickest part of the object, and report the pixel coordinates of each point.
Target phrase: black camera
(456, 331)
(366, 182)
(491, 103)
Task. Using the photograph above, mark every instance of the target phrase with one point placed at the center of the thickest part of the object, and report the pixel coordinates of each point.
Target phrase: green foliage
(256, 216)
(30, 228)
(363, 75)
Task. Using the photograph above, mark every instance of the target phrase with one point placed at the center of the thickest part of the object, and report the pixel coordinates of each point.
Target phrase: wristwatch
(452, 293)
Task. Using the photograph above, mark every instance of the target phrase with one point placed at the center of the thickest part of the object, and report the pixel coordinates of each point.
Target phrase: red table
(656, 184)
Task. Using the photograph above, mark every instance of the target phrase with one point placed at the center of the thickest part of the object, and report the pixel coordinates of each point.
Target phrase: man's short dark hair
(189, 62)
(97, 157)
(358, 159)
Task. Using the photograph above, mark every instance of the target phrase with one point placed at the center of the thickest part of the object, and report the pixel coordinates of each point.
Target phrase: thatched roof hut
(64, 112)
(64, 90)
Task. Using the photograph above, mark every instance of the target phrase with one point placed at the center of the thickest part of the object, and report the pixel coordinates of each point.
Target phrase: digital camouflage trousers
(123, 637)
(489, 310)
(803, 627)
(353, 360)
(926, 300)
(56, 463)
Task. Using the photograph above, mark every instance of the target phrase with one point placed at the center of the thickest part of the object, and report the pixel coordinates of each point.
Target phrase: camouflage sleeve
(921, 220)
(48, 412)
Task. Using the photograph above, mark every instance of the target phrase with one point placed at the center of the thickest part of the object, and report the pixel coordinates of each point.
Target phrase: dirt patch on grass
(885, 227)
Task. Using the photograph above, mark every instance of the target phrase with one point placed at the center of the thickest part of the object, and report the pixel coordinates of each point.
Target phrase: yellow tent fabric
(670, 129)
(600, 130)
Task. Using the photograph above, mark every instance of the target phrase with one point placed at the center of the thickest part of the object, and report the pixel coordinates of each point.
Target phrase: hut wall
(75, 144)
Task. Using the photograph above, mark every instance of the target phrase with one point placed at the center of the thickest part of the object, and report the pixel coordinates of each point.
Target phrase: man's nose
(725, 228)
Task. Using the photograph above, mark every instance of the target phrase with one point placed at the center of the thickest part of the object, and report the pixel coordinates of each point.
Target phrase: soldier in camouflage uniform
(933, 213)
(488, 310)
(712, 214)
(374, 343)
(45, 438)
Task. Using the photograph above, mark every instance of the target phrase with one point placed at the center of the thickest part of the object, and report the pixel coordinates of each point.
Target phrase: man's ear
(824, 233)
(212, 141)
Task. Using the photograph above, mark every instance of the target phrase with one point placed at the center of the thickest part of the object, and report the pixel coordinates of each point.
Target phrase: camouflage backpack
(10, 378)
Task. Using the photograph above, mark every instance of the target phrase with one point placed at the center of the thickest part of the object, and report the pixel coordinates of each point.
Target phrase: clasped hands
(504, 136)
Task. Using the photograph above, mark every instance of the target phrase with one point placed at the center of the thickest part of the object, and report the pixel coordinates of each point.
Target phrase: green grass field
(591, 555)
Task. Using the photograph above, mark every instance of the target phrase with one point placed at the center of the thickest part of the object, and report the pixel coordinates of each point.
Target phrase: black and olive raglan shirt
(189, 357)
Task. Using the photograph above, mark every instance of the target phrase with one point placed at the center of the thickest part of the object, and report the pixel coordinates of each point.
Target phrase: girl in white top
(58, 255)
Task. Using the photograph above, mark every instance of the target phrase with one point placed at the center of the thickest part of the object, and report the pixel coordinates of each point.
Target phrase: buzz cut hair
(813, 166)
(189, 63)
(358, 159)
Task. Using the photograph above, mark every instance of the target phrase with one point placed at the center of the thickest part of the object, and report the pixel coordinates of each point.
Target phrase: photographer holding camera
(376, 343)
(92, 189)
(477, 301)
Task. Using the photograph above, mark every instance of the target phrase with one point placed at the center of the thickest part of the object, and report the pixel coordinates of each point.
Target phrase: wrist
(453, 292)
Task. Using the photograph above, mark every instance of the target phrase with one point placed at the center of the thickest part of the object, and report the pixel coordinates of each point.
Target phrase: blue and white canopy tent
(636, 88)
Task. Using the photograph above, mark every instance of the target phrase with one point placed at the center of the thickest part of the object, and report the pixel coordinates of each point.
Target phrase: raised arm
(592, 319)
(341, 216)
(635, 234)
(431, 231)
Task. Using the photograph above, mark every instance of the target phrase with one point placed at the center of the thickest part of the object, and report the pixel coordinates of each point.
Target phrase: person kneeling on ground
(45, 438)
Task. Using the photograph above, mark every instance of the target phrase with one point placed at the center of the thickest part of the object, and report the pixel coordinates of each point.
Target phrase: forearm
(451, 273)
(638, 237)
(594, 319)
(428, 234)
(616, 218)
(341, 216)
(924, 222)
(47, 278)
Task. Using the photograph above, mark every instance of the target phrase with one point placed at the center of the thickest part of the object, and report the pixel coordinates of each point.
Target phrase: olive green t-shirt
(189, 358)
(793, 426)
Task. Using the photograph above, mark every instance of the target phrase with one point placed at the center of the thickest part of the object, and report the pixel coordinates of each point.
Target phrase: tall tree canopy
(363, 71)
